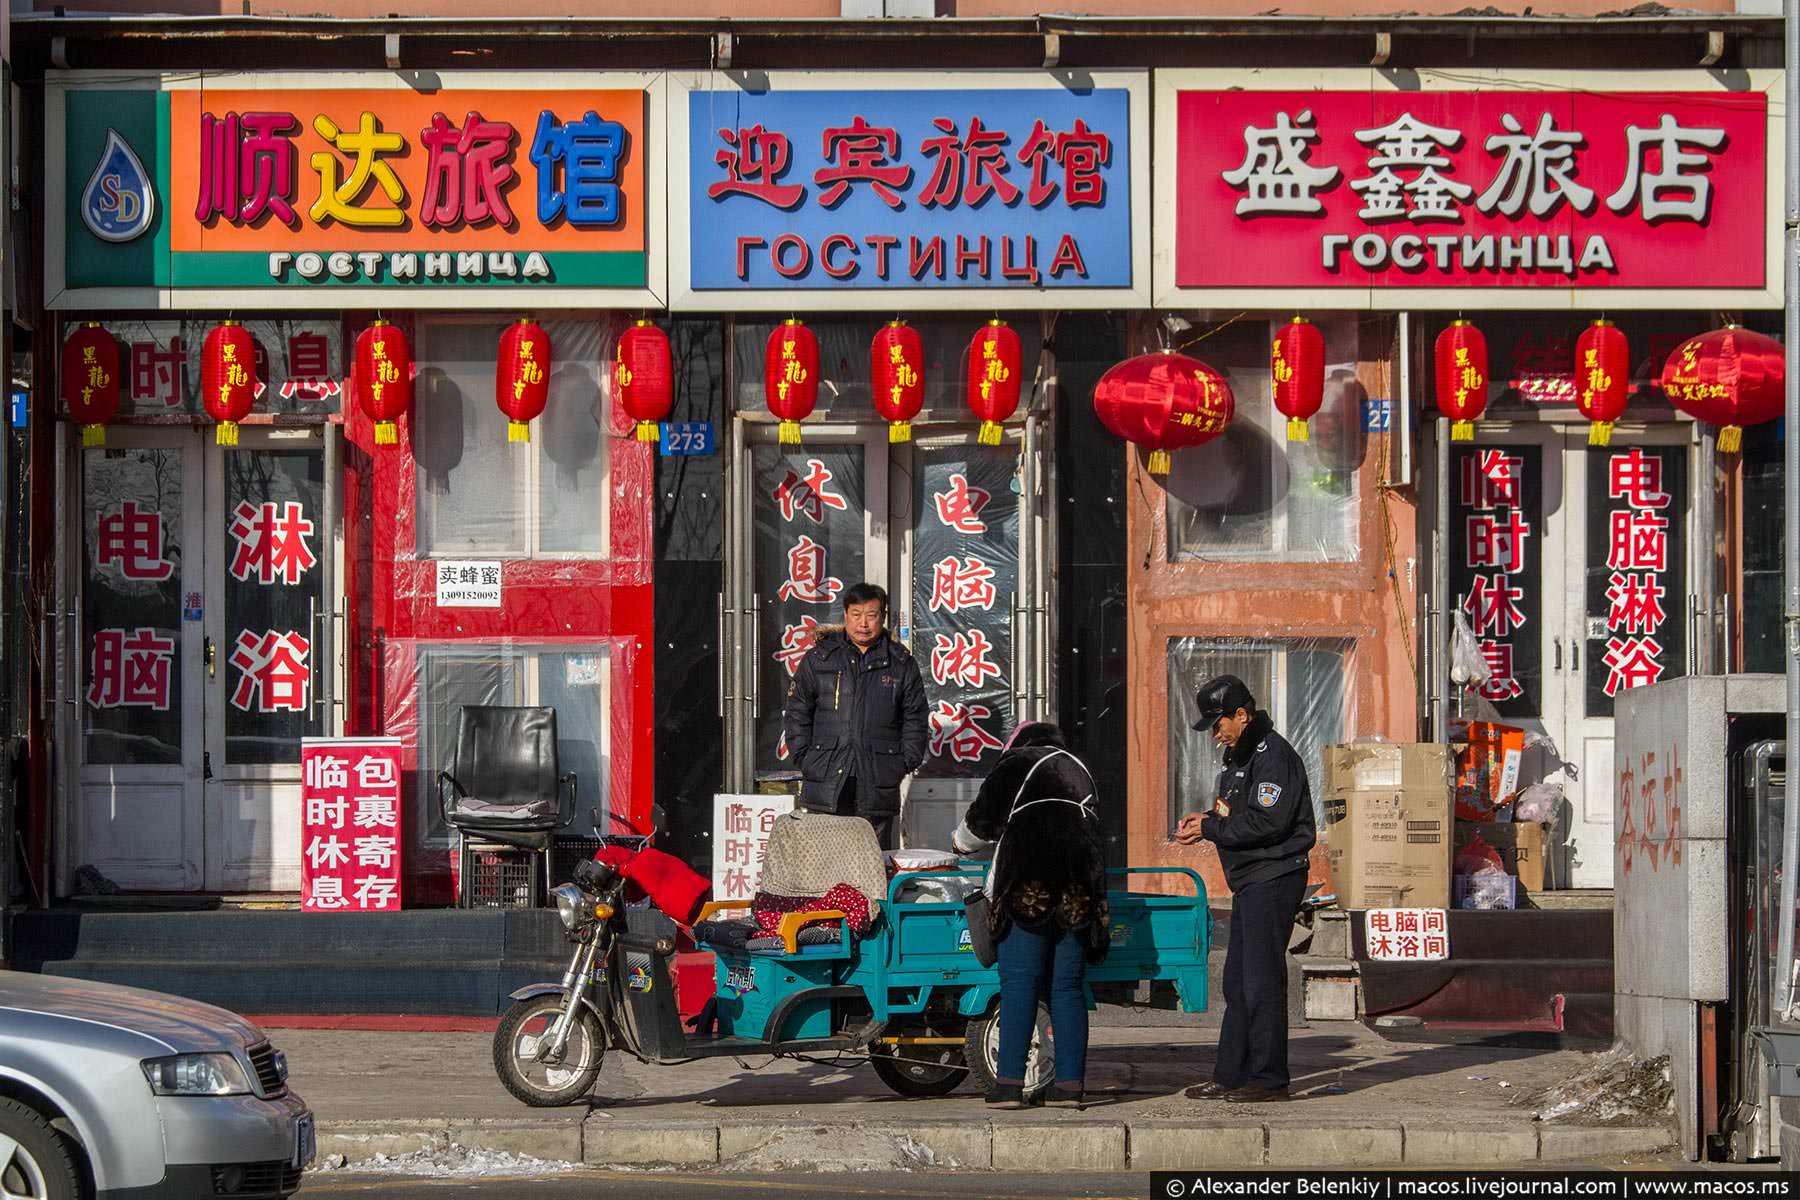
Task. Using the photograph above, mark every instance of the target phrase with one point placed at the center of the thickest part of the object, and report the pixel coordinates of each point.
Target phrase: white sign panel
(463, 583)
(741, 826)
(1406, 935)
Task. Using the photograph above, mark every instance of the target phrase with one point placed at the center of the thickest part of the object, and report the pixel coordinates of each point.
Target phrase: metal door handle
(1556, 644)
(1575, 655)
(206, 764)
(207, 647)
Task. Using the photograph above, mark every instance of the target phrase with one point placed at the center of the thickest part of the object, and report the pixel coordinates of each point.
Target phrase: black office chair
(504, 788)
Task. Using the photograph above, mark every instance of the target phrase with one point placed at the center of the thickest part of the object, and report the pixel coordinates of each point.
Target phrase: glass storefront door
(197, 653)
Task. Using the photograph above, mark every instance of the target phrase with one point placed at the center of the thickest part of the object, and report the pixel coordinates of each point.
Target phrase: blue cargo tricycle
(908, 995)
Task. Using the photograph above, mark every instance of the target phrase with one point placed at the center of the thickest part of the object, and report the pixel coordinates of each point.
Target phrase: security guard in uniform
(1262, 823)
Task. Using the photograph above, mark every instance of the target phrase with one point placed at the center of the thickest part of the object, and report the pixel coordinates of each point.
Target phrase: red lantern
(993, 378)
(1163, 402)
(1731, 377)
(522, 382)
(90, 380)
(1462, 378)
(1602, 374)
(644, 373)
(791, 376)
(1297, 363)
(897, 378)
(381, 378)
(228, 378)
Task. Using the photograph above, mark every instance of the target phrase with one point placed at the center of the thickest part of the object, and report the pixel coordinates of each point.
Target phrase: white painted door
(267, 647)
(137, 704)
(1627, 562)
(202, 645)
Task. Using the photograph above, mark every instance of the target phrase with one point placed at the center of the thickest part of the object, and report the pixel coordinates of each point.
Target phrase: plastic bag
(1477, 856)
(1467, 668)
(1539, 802)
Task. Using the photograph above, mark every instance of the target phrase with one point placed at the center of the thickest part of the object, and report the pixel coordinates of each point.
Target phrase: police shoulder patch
(1267, 794)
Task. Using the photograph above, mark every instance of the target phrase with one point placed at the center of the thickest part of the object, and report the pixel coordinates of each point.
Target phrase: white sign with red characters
(1406, 935)
(741, 826)
(350, 824)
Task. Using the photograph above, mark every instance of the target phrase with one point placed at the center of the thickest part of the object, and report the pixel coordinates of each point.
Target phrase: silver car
(112, 1092)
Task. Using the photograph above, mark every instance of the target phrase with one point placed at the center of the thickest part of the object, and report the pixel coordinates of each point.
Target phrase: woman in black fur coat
(1049, 915)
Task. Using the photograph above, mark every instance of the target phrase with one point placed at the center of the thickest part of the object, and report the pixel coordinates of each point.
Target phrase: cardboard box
(1390, 849)
(1523, 847)
(1387, 767)
(1487, 769)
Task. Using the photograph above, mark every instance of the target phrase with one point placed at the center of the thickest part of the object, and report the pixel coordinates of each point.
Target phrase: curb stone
(554, 1141)
(1447, 1146)
(1025, 1143)
(1561, 1143)
(1195, 1145)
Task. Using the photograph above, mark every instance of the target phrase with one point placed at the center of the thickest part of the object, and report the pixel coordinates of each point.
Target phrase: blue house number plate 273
(687, 437)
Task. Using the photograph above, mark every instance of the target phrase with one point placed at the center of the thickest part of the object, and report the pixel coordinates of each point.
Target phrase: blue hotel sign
(819, 187)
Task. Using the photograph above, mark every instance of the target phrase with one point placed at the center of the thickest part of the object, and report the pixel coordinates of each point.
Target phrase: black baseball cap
(1220, 696)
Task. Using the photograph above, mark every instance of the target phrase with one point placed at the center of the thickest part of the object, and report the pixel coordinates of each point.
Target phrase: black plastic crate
(500, 877)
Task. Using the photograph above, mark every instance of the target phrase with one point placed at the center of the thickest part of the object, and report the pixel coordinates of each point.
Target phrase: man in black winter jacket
(856, 717)
(1262, 823)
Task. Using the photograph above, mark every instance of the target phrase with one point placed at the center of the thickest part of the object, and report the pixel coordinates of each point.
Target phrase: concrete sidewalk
(1360, 1101)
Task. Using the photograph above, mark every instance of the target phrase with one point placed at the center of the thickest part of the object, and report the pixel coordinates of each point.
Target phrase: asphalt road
(730, 1185)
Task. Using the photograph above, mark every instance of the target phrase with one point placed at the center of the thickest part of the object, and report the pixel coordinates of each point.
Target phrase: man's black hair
(862, 593)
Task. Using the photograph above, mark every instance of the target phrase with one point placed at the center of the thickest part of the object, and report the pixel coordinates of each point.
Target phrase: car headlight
(196, 1075)
(571, 905)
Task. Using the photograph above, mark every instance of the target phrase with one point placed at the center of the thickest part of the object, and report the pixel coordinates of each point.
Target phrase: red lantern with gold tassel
(90, 380)
(993, 378)
(644, 373)
(228, 378)
(1602, 375)
(791, 376)
(1462, 378)
(897, 377)
(1297, 365)
(1163, 402)
(1732, 377)
(522, 377)
(381, 378)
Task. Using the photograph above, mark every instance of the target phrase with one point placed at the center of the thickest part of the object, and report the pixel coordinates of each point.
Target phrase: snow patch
(448, 1160)
(1613, 1088)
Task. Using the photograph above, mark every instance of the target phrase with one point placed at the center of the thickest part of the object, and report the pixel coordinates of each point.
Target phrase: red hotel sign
(1459, 189)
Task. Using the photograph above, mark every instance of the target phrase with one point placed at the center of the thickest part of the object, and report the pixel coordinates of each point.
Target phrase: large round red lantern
(791, 376)
(381, 378)
(1462, 378)
(1163, 402)
(897, 377)
(90, 380)
(1732, 377)
(1297, 365)
(1602, 375)
(228, 378)
(993, 378)
(644, 374)
(522, 377)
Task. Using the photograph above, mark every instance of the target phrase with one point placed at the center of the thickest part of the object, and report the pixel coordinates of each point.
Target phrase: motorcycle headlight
(571, 905)
(196, 1075)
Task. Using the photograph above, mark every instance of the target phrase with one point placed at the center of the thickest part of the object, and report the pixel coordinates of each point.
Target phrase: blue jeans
(1033, 962)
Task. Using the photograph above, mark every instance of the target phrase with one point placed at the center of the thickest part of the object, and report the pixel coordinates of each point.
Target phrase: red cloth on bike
(768, 908)
(673, 887)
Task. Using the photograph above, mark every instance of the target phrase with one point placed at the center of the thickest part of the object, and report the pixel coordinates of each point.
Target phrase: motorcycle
(907, 995)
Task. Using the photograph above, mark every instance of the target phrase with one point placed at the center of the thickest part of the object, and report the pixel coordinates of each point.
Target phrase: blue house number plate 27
(687, 437)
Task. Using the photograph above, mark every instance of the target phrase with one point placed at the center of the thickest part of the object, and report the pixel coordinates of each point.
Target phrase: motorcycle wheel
(541, 1084)
(912, 1077)
(981, 1050)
